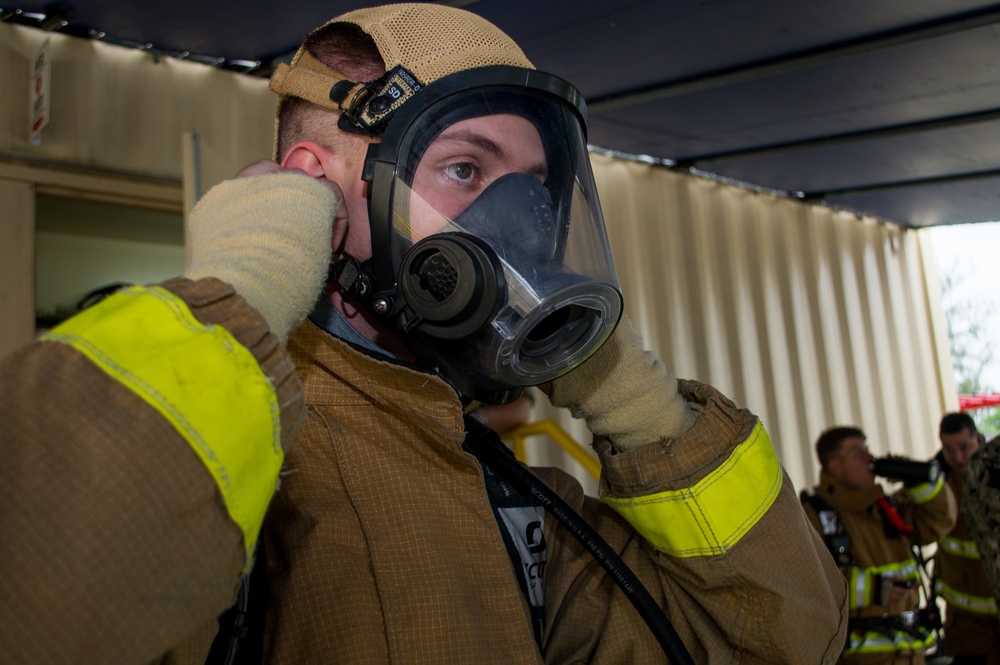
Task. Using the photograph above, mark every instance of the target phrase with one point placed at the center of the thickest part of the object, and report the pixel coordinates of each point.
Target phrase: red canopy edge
(971, 402)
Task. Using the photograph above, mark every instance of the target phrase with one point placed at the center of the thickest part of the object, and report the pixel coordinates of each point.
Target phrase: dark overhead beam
(840, 139)
(808, 58)
(899, 184)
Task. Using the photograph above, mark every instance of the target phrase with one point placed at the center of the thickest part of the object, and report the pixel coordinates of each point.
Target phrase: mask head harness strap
(365, 108)
(418, 43)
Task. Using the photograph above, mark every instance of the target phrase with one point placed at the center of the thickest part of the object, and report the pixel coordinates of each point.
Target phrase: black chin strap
(349, 274)
(485, 444)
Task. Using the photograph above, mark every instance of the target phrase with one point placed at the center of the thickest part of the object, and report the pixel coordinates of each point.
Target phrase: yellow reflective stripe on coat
(859, 589)
(888, 642)
(985, 605)
(964, 548)
(926, 491)
(201, 380)
(861, 581)
(713, 515)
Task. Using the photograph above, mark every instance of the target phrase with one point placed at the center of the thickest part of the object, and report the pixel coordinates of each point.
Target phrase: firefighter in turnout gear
(971, 629)
(872, 536)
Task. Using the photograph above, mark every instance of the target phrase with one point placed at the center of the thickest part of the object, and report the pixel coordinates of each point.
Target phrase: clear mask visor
(519, 184)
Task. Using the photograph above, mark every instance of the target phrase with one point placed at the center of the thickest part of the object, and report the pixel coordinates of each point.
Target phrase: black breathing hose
(485, 444)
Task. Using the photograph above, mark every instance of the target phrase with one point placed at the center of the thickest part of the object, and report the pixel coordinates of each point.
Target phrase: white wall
(117, 135)
(81, 246)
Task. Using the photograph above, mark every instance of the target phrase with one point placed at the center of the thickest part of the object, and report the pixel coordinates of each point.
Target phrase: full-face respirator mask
(490, 256)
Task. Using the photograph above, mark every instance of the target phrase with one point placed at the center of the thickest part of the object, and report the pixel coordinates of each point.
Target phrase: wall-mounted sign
(38, 114)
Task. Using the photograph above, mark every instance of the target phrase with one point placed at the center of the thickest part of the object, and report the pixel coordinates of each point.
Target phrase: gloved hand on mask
(625, 393)
(268, 233)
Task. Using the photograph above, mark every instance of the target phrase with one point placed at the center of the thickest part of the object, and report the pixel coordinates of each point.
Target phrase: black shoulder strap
(814, 500)
(240, 640)
(834, 535)
(486, 446)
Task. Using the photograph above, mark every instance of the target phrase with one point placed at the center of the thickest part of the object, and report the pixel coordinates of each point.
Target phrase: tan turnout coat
(115, 546)
(383, 546)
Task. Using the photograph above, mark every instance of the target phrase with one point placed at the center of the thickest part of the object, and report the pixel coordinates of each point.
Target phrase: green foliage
(972, 347)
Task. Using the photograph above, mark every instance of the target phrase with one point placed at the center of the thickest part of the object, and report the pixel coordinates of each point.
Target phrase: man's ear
(310, 157)
(318, 162)
(833, 467)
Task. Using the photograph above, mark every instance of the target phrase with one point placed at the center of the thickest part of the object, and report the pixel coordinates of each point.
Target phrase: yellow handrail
(554, 431)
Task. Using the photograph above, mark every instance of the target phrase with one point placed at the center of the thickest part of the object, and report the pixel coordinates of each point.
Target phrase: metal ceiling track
(840, 139)
(898, 184)
(802, 60)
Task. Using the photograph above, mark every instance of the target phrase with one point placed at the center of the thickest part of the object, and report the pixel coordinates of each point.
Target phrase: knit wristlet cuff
(269, 236)
(625, 393)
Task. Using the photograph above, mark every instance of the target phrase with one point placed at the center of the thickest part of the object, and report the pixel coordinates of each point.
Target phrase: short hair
(953, 423)
(344, 47)
(829, 443)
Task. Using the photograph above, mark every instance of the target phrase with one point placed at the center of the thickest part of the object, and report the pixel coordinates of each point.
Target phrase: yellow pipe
(554, 431)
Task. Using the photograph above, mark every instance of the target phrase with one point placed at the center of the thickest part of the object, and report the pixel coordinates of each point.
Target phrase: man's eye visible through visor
(465, 173)
(466, 157)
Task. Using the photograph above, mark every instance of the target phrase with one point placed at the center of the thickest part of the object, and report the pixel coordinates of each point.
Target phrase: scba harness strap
(838, 542)
(240, 637)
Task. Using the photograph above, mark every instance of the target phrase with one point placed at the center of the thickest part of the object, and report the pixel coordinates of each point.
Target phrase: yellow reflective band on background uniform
(927, 491)
(713, 515)
(859, 589)
(201, 380)
(861, 581)
(963, 548)
(890, 642)
(985, 605)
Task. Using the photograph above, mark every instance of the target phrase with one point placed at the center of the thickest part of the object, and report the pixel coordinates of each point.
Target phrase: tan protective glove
(625, 393)
(270, 237)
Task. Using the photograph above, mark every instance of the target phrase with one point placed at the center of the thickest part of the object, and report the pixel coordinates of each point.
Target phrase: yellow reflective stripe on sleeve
(713, 515)
(985, 605)
(963, 548)
(861, 584)
(201, 380)
(927, 491)
(859, 591)
(903, 570)
(888, 642)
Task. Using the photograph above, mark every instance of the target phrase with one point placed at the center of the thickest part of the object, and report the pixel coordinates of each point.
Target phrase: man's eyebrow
(490, 146)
